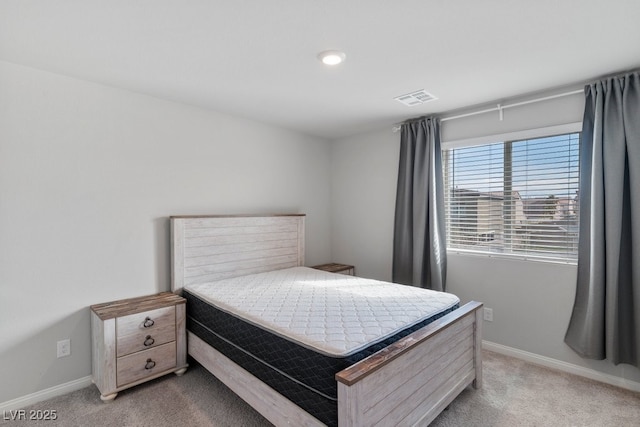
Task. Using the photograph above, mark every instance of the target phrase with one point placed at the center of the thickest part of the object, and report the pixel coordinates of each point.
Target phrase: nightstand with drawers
(136, 340)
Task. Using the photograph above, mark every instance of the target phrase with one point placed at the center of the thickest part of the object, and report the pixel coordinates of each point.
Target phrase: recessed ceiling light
(331, 57)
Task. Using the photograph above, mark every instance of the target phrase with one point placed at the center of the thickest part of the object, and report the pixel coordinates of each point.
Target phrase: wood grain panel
(104, 353)
(181, 335)
(241, 258)
(210, 248)
(202, 270)
(272, 405)
(477, 346)
(349, 401)
(212, 277)
(425, 412)
(208, 221)
(142, 340)
(423, 386)
(194, 242)
(133, 367)
(403, 384)
(134, 324)
(128, 306)
(217, 255)
(277, 227)
(177, 254)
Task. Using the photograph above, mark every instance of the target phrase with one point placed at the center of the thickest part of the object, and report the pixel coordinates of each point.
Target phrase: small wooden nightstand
(337, 268)
(136, 340)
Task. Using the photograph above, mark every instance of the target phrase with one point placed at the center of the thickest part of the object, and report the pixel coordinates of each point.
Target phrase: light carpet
(515, 393)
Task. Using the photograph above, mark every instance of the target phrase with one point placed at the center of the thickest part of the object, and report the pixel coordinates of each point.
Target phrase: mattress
(294, 329)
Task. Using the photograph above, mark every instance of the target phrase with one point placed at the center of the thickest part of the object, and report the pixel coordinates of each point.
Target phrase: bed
(405, 376)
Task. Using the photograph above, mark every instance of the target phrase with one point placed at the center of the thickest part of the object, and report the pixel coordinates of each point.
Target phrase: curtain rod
(498, 107)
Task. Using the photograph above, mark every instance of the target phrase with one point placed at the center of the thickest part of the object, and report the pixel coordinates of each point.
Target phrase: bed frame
(407, 383)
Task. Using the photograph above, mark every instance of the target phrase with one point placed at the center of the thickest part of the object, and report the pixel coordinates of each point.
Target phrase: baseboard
(48, 393)
(562, 366)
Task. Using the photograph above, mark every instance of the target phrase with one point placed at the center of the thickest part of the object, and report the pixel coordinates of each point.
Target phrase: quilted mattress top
(333, 314)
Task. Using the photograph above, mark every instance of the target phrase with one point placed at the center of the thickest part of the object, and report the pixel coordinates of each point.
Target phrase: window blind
(514, 197)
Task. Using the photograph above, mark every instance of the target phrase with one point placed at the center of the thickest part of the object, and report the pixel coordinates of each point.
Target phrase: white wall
(363, 187)
(88, 177)
(532, 301)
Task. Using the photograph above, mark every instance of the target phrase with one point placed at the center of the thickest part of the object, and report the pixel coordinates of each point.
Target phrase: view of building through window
(517, 197)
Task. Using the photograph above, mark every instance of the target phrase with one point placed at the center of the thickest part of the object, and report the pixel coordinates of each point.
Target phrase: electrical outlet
(64, 348)
(488, 314)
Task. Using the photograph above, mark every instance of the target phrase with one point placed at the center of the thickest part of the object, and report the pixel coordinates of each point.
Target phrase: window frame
(541, 132)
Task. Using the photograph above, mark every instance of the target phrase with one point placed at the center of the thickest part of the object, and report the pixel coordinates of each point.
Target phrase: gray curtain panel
(419, 243)
(605, 322)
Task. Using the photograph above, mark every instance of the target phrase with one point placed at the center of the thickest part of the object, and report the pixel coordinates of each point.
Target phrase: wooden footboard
(412, 381)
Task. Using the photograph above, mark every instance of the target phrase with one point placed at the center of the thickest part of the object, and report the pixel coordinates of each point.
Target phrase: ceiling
(257, 58)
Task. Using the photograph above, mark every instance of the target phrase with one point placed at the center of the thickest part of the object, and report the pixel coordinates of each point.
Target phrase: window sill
(514, 257)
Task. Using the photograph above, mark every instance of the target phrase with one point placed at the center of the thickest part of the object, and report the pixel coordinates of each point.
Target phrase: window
(514, 198)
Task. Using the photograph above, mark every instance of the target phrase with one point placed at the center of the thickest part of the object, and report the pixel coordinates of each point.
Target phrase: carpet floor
(515, 393)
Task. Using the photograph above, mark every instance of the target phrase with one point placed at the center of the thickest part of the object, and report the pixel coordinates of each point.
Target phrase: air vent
(415, 98)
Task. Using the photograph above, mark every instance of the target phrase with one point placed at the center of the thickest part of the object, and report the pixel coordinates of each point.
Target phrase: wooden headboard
(215, 247)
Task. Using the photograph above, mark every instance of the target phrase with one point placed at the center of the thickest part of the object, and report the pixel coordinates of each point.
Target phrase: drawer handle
(148, 341)
(150, 364)
(148, 322)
